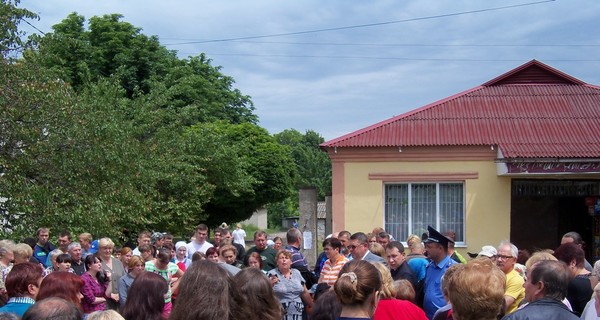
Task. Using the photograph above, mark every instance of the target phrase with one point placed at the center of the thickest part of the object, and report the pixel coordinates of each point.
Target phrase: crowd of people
(357, 276)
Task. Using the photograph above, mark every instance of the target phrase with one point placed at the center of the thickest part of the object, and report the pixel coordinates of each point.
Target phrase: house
(517, 158)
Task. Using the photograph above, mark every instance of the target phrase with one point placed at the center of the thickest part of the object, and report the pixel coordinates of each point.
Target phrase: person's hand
(114, 296)
(108, 274)
(274, 279)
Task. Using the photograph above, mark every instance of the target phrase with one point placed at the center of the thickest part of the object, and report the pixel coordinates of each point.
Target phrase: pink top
(90, 290)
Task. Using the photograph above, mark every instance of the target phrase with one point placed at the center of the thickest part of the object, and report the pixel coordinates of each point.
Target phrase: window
(411, 207)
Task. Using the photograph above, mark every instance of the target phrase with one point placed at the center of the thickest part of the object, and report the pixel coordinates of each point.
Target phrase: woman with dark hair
(63, 263)
(288, 285)
(327, 307)
(357, 288)
(254, 297)
(253, 260)
(146, 299)
(277, 243)
(335, 261)
(580, 288)
(136, 267)
(63, 285)
(212, 254)
(96, 285)
(22, 286)
(170, 272)
(204, 293)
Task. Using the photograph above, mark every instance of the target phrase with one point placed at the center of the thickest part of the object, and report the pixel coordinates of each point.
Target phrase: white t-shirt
(193, 246)
(239, 236)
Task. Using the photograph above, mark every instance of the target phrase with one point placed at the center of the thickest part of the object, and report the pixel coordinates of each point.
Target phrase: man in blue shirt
(437, 250)
(43, 246)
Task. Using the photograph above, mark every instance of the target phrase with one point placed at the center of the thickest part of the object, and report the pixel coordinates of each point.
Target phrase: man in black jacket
(545, 288)
(396, 260)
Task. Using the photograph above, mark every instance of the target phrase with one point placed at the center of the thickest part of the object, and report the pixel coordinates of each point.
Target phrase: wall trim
(423, 176)
(400, 154)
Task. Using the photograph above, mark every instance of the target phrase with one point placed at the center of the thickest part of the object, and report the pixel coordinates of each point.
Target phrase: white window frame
(460, 241)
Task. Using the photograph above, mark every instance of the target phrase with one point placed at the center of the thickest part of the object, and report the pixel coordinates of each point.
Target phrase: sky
(340, 65)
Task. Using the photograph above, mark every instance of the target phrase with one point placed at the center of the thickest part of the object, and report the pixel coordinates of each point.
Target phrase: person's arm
(175, 284)
(122, 290)
(305, 296)
(108, 291)
(87, 291)
(509, 301)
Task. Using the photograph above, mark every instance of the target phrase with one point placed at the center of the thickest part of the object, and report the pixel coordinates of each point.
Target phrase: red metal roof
(532, 111)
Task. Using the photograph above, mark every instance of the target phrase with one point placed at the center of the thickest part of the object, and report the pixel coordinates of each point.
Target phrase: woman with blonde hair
(22, 252)
(476, 291)
(416, 260)
(136, 267)
(114, 266)
(377, 249)
(6, 258)
(389, 307)
(105, 315)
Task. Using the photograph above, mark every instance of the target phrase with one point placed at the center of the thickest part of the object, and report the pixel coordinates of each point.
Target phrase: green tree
(313, 165)
(159, 143)
(269, 165)
(11, 38)
(196, 90)
(201, 93)
(313, 168)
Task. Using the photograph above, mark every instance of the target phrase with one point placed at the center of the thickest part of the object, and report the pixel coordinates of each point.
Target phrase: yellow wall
(487, 198)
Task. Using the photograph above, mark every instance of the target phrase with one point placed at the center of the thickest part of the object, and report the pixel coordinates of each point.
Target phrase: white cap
(488, 251)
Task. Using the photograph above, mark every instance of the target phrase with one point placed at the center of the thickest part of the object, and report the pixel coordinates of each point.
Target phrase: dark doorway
(542, 211)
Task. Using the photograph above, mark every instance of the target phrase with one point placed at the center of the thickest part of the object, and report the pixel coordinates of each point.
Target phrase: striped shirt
(331, 270)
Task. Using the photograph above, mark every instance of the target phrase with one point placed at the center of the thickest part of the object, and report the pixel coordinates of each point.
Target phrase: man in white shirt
(239, 235)
(199, 242)
(143, 239)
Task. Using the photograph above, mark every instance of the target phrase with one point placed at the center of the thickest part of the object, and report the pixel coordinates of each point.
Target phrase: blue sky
(339, 81)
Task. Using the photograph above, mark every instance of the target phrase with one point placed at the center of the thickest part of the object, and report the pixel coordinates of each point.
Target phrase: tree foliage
(195, 89)
(313, 168)
(104, 129)
(11, 38)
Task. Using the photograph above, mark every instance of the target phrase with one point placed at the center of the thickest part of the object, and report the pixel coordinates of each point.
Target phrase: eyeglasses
(501, 257)
(352, 247)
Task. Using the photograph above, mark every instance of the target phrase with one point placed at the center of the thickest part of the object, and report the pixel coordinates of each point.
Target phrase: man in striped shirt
(335, 261)
(294, 240)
